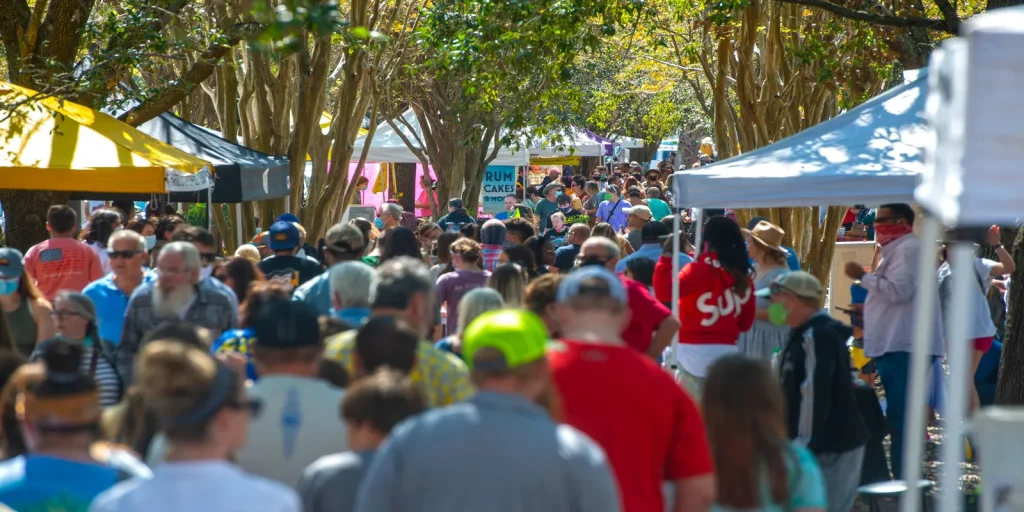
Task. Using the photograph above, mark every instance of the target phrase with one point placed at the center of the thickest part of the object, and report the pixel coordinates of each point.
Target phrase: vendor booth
(58, 145)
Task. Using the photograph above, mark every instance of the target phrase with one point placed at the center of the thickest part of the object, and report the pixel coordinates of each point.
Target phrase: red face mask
(887, 233)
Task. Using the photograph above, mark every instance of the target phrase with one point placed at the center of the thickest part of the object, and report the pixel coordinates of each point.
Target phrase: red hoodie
(709, 310)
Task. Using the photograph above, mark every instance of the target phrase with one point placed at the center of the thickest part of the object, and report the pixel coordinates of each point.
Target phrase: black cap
(654, 231)
(455, 203)
(284, 324)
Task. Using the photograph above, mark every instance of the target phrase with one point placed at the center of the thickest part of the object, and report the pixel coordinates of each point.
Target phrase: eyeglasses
(252, 405)
(208, 257)
(114, 255)
(64, 314)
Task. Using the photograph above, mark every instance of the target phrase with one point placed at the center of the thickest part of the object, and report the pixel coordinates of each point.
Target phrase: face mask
(379, 223)
(565, 209)
(558, 193)
(8, 286)
(150, 242)
(206, 272)
(777, 314)
(888, 233)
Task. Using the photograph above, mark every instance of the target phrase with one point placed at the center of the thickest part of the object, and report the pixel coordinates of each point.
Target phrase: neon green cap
(519, 335)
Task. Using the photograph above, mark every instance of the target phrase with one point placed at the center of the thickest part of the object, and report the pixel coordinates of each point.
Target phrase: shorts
(983, 344)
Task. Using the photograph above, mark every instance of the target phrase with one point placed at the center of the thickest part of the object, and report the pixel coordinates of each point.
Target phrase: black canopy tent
(240, 173)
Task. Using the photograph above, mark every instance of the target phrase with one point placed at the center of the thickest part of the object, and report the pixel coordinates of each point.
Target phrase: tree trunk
(25, 216)
(405, 176)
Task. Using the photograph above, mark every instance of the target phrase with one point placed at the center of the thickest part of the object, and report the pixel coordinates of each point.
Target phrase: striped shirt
(106, 377)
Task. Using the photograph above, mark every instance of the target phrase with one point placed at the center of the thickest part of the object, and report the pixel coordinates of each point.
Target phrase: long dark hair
(243, 272)
(101, 226)
(745, 417)
(401, 241)
(723, 236)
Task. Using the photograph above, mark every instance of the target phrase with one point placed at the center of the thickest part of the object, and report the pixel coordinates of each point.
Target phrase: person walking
(204, 411)
(765, 337)
(757, 466)
(544, 465)
(110, 294)
(26, 311)
(817, 381)
(299, 423)
(649, 438)
(62, 263)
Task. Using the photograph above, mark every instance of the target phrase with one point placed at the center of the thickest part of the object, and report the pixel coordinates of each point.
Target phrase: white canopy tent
(388, 146)
(574, 142)
(868, 155)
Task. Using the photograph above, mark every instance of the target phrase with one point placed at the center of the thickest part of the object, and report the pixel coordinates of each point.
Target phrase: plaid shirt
(211, 309)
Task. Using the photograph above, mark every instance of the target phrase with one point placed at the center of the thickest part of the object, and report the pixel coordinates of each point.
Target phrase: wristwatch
(997, 246)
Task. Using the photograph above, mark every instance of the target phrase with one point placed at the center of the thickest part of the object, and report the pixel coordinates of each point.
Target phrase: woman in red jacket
(715, 300)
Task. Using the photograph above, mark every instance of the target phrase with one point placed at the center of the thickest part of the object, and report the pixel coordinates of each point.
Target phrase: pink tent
(371, 170)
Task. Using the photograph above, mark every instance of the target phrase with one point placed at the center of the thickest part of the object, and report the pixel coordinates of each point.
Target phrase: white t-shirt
(981, 318)
(299, 423)
(101, 252)
(201, 486)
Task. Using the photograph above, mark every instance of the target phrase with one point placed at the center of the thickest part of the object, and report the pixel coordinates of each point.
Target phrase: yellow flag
(381, 184)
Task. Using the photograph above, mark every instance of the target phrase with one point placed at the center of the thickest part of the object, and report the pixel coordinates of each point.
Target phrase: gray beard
(170, 302)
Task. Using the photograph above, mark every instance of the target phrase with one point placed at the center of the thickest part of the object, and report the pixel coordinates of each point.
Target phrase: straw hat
(767, 235)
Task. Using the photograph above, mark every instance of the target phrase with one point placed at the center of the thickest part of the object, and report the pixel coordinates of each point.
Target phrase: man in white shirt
(299, 422)
(889, 313)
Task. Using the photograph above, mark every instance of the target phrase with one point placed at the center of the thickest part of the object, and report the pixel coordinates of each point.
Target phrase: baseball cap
(552, 186)
(594, 281)
(641, 211)
(260, 239)
(286, 324)
(518, 335)
(654, 232)
(288, 217)
(799, 283)
(283, 235)
(344, 238)
(12, 263)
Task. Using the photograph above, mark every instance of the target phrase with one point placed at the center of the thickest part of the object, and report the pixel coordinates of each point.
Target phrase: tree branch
(876, 19)
(200, 70)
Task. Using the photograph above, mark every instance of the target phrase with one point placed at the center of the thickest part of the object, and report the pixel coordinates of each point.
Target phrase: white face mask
(150, 242)
(206, 272)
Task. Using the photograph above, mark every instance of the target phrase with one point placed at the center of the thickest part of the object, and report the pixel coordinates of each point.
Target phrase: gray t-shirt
(494, 452)
(635, 239)
(330, 484)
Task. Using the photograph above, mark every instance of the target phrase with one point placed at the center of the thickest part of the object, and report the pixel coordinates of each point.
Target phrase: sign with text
(499, 181)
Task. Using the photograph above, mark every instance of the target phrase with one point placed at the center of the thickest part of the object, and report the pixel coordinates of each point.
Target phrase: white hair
(611, 249)
(353, 283)
(187, 251)
(127, 234)
(392, 209)
(559, 215)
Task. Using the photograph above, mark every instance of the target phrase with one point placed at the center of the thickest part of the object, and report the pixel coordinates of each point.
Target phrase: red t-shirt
(647, 425)
(710, 311)
(62, 264)
(646, 314)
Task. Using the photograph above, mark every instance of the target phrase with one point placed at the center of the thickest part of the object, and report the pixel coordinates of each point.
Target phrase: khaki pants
(693, 384)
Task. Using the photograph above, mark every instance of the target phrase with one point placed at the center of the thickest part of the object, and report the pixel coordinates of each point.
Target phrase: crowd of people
(520, 364)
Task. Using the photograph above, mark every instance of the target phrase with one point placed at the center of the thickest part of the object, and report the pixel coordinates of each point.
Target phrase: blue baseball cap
(283, 236)
(12, 263)
(287, 217)
(594, 281)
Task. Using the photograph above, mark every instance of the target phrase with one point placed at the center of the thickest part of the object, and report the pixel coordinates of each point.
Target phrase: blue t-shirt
(806, 486)
(792, 261)
(111, 303)
(237, 340)
(31, 483)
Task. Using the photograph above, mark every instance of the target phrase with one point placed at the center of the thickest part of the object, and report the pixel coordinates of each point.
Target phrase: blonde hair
(175, 378)
(249, 252)
(475, 303)
(302, 232)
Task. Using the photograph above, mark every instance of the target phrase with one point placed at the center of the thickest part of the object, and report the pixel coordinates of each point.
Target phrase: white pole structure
(959, 325)
(676, 226)
(920, 363)
(209, 209)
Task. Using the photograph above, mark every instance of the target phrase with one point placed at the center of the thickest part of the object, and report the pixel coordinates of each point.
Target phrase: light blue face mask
(379, 222)
(8, 286)
(150, 242)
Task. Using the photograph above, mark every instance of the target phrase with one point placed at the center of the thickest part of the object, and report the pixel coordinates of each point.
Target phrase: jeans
(894, 371)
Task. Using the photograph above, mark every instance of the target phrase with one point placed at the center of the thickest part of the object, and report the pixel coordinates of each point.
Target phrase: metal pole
(924, 311)
(952, 444)
(209, 209)
(698, 230)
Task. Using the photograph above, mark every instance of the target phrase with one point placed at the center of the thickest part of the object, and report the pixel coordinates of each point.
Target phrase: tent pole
(676, 226)
(920, 364)
(698, 230)
(209, 209)
(952, 444)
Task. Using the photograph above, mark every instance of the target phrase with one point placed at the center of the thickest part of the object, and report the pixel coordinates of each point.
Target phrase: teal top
(807, 487)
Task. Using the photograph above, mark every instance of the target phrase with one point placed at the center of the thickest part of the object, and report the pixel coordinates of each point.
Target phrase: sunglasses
(208, 257)
(252, 405)
(115, 255)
